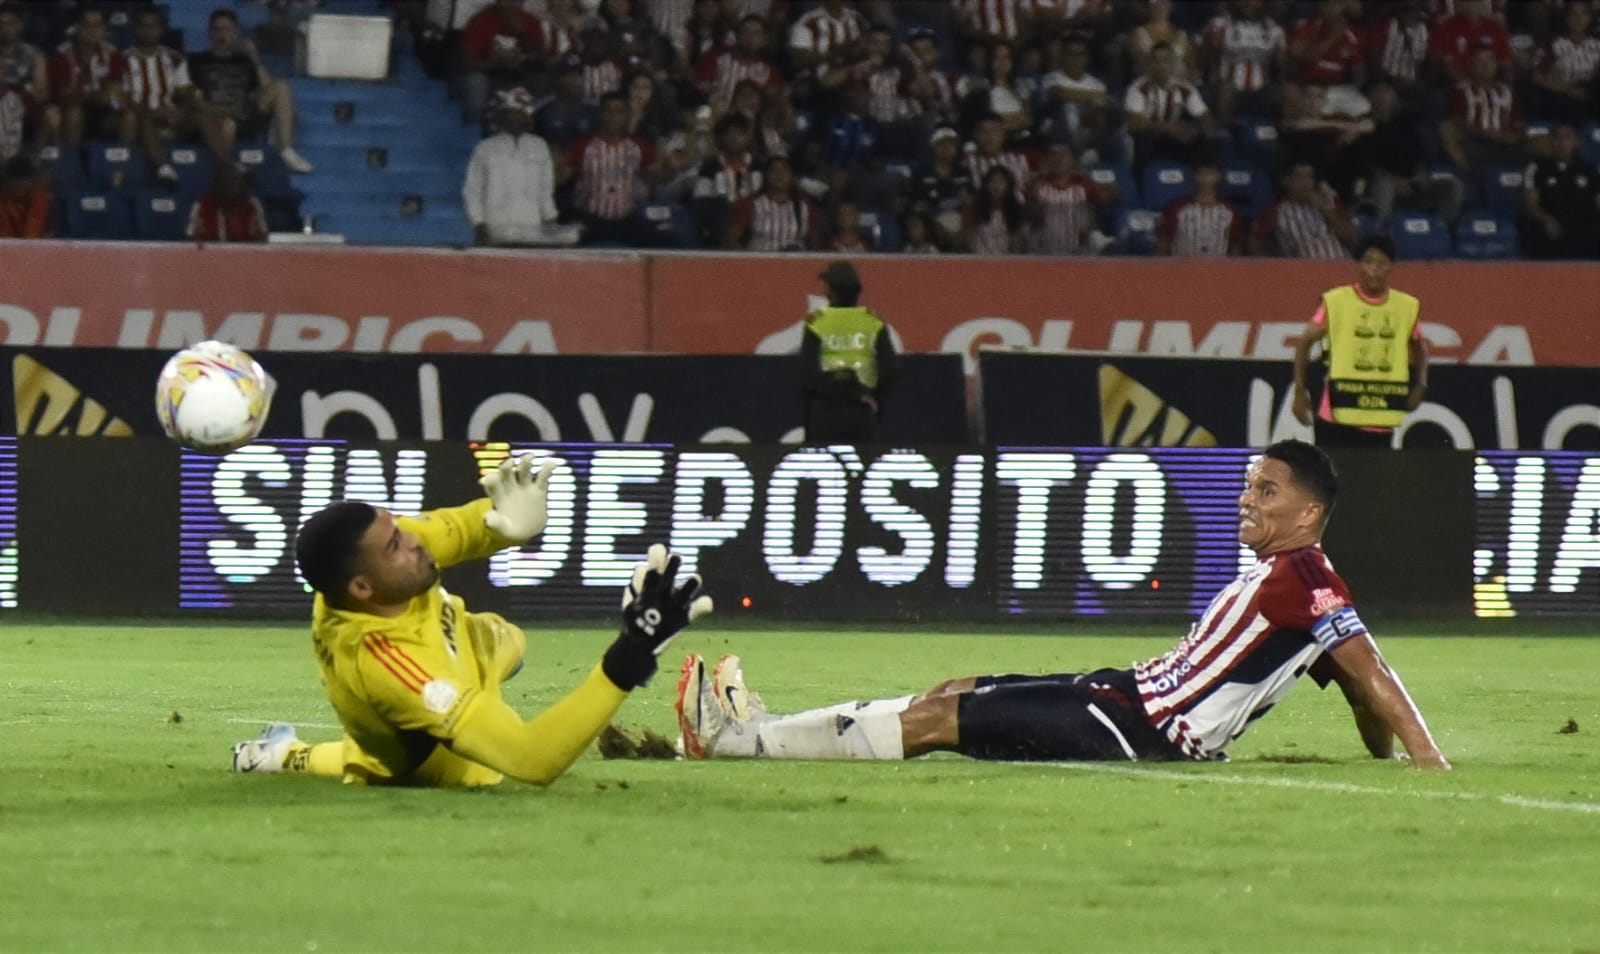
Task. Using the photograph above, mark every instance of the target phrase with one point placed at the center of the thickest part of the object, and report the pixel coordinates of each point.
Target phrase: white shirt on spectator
(1058, 79)
(1163, 103)
(510, 187)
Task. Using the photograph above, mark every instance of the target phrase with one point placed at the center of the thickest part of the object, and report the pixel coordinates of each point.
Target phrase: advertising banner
(1477, 313)
(726, 398)
(165, 296)
(1155, 402)
(917, 535)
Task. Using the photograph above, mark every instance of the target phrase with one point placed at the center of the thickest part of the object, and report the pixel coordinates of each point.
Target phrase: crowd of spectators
(1055, 127)
(71, 101)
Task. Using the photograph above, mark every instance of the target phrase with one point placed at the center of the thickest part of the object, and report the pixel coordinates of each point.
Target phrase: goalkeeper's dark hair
(328, 547)
(1312, 471)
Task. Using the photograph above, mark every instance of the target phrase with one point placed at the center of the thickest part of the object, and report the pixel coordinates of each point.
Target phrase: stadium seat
(158, 217)
(881, 228)
(1502, 188)
(1120, 176)
(66, 169)
(1418, 236)
(195, 167)
(98, 216)
(673, 223)
(1136, 231)
(114, 166)
(1246, 187)
(1365, 221)
(1166, 182)
(1484, 235)
(269, 176)
(1257, 139)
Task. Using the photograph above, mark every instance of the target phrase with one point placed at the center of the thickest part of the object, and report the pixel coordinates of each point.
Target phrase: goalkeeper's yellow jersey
(403, 685)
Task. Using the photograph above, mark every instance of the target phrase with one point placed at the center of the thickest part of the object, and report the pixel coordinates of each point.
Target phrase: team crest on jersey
(1324, 601)
(440, 696)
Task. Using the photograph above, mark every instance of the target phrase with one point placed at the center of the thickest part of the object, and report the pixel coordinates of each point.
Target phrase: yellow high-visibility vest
(1369, 353)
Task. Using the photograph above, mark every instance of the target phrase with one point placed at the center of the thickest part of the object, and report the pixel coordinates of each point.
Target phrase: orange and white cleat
(700, 714)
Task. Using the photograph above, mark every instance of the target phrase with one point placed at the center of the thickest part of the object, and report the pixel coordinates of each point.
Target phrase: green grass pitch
(121, 828)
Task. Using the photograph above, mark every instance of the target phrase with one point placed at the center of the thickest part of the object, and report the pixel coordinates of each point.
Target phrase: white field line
(1343, 788)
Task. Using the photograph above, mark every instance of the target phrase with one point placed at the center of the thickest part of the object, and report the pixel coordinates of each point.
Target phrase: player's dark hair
(1312, 471)
(1379, 241)
(328, 547)
(222, 13)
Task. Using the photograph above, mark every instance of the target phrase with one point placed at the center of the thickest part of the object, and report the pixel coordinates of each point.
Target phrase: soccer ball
(213, 397)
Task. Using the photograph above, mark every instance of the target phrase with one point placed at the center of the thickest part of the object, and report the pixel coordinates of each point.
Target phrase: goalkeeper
(415, 678)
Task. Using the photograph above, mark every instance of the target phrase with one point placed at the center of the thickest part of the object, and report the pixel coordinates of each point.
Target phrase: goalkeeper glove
(519, 497)
(653, 613)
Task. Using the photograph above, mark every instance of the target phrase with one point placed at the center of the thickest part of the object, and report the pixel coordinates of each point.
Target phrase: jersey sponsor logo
(440, 696)
(1324, 601)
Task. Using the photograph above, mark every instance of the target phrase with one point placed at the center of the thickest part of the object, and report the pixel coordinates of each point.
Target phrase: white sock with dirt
(851, 730)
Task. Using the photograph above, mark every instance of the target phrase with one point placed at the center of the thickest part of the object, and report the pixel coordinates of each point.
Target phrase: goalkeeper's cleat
(738, 703)
(700, 714)
(266, 752)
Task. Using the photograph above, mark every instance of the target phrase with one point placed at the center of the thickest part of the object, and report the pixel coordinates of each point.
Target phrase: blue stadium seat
(1257, 139)
(98, 216)
(158, 217)
(1120, 176)
(1365, 221)
(1589, 141)
(113, 166)
(269, 176)
(1484, 235)
(1502, 188)
(195, 166)
(1247, 187)
(1165, 182)
(672, 222)
(1136, 231)
(66, 169)
(1419, 236)
(881, 228)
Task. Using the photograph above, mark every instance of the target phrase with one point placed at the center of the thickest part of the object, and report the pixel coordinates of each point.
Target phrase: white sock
(851, 730)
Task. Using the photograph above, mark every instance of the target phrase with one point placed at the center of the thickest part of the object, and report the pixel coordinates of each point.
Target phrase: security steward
(848, 364)
(1376, 358)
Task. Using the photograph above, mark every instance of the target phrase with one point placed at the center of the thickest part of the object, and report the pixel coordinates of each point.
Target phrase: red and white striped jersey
(1489, 108)
(1572, 63)
(1401, 48)
(601, 78)
(1066, 214)
(1300, 231)
(992, 236)
(559, 39)
(152, 77)
(721, 71)
(1248, 49)
(776, 226)
(70, 69)
(995, 18)
(978, 166)
(609, 174)
(1259, 635)
(817, 32)
(1195, 228)
(1444, 9)
(1163, 104)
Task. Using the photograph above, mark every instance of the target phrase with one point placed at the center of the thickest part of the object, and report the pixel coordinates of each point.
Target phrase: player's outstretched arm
(518, 496)
(1382, 706)
(655, 608)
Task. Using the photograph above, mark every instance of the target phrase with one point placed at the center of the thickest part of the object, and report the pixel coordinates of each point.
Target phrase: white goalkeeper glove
(519, 495)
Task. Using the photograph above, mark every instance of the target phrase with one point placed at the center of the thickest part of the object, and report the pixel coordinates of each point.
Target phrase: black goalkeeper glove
(654, 611)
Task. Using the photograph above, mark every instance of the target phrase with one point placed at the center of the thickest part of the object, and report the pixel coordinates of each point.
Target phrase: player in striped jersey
(415, 678)
(1287, 616)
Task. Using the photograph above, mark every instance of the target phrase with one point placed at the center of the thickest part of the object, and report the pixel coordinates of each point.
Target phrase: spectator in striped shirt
(603, 69)
(1398, 48)
(1160, 29)
(1064, 206)
(1458, 38)
(995, 222)
(1079, 109)
(1485, 123)
(610, 168)
(1326, 50)
(1245, 52)
(985, 21)
(1308, 222)
(725, 179)
(988, 149)
(161, 104)
(1202, 225)
(720, 71)
(24, 86)
(1289, 615)
(86, 81)
(777, 219)
(1167, 118)
(1566, 79)
(823, 34)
